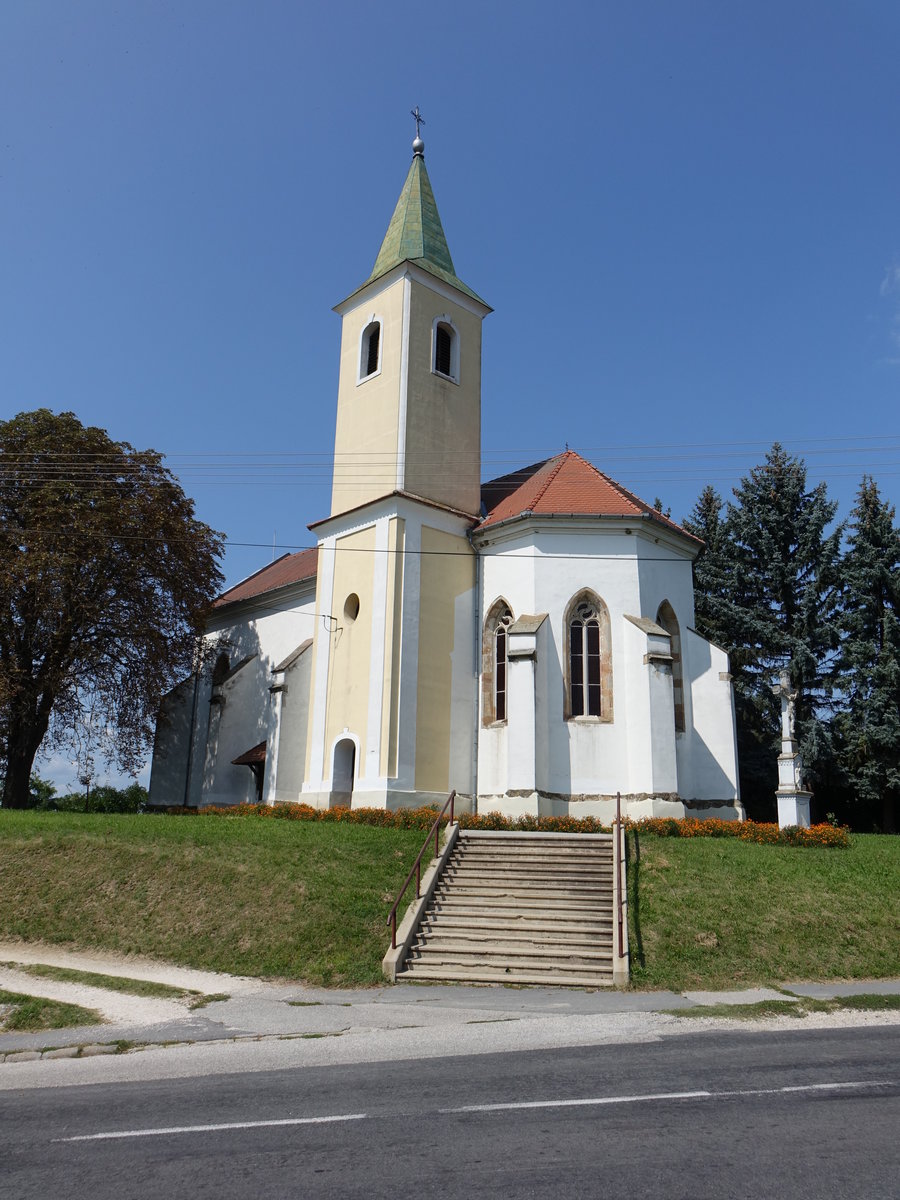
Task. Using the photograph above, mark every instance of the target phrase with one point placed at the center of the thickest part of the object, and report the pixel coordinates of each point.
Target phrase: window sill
(446, 378)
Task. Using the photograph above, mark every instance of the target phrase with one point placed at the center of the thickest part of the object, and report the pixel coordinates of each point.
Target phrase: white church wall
(540, 569)
(238, 721)
(267, 630)
(584, 757)
(463, 695)
(713, 749)
(292, 732)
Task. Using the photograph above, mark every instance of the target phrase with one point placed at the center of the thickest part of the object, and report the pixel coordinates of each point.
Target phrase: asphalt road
(806, 1115)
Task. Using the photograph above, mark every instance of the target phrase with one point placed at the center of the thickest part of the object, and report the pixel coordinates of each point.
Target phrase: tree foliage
(712, 570)
(867, 673)
(105, 580)
(766, 590)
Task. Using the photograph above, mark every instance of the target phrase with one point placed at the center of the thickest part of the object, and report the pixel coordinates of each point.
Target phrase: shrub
(423, 818)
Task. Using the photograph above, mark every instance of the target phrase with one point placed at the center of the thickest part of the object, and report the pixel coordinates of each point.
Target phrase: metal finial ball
(419, 147)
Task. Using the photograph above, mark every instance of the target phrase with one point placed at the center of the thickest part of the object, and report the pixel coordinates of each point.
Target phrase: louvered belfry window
(369, 350)
(372, 356)
(443, 350)
(584, 662)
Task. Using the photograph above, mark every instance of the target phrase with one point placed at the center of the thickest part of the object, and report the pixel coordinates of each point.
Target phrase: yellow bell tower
(409, 396)
(393, 694)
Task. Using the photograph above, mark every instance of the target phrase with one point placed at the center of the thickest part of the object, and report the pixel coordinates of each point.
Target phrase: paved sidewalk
(255, 1009)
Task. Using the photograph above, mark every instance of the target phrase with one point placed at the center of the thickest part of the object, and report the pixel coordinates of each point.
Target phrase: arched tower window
(669, 622)
(495, 663)
(445, 349)
(588, 659)
(370, 350)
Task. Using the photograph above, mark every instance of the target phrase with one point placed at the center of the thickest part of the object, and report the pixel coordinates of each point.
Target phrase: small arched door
(343, 771)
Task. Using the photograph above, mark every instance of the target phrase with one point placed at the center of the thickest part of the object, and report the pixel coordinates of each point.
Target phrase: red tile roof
(567, 485)
(290, 568)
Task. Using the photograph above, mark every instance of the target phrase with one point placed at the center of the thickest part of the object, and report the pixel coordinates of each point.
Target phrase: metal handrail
(618, 861)
(434, 831)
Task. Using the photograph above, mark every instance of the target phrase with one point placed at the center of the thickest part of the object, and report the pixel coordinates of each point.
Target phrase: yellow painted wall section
(323, 558)
(390, 707)
(443, 419)
(368, 413)
(351, 643)
(447, 572)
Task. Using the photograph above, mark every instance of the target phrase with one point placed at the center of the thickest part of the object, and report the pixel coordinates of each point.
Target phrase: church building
(527, 642)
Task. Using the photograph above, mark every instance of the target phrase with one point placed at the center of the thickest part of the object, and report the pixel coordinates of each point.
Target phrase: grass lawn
(26, 1014)
(253, 897)
(308, 900)
(711, 913)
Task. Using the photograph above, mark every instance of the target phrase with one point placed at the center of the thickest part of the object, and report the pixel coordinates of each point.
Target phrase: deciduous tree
(105, 579)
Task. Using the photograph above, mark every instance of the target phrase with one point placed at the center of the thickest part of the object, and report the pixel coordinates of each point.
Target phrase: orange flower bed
(767, 834)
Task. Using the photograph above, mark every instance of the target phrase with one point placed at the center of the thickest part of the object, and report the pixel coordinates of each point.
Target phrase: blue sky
(685, 215)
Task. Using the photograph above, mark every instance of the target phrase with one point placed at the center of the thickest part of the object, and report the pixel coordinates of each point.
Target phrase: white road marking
(701, 1095)
(132, 1133)
(593, 1101)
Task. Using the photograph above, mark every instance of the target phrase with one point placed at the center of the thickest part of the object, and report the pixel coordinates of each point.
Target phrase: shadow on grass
(633, 840)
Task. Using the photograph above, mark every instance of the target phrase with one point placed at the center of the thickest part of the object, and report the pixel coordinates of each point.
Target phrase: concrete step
(442, 935)
(525, 863)
(520, 924)
(464, 872)
(537, 850)
(526, 886)
(591, 979)
(482, 906)
(511, 952)
(587, 895)
(503, 838)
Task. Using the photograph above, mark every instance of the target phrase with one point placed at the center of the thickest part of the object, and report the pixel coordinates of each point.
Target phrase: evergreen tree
(782, 611)
(713, 610)
(868, 667)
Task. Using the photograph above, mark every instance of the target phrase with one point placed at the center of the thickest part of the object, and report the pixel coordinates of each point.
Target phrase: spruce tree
(713, 613)
(783, 611)
(867, 672)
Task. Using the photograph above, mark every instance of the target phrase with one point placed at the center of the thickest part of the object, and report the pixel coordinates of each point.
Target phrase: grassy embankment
(308, 901)
(710, 913)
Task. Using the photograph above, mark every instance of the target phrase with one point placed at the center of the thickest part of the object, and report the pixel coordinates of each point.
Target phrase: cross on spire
(418, 118)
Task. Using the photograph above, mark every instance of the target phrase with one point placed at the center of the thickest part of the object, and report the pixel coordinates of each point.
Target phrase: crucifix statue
(792, 795)
(788, 706)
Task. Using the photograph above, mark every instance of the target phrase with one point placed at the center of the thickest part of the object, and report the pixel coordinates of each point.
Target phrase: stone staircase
(520, 908)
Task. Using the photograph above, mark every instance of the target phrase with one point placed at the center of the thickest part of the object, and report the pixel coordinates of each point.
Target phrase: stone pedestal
(793, 799)
(793, 809)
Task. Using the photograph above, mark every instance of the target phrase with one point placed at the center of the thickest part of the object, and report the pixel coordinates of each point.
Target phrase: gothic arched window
(669, 622)
(588, 659)
(495, 663)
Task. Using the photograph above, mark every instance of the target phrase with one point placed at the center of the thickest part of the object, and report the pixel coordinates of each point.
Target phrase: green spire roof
(415, 233)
